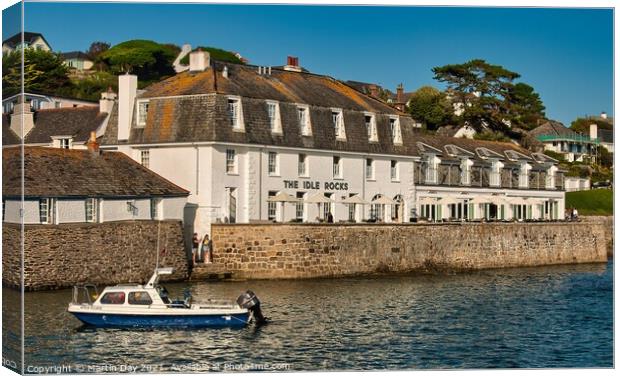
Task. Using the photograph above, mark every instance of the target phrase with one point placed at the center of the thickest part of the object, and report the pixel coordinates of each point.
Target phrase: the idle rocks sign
(307, 184)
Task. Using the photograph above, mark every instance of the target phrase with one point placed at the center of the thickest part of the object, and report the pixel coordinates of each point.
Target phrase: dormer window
(273, 113)
(235, 114)
(371, 127)
(397, 137)
(495, 176)
(466, 164)
(338, 123)
(64, 143)
(143, 109)
(303, 115)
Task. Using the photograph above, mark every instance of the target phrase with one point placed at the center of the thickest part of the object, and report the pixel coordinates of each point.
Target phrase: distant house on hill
(43, 101)
(77, 60)
(604, 136)
(464, 131)
(67, 128)
(572, 145)
(31, 40)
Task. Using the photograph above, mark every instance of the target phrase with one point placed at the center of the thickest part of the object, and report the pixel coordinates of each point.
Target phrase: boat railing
(85, 294)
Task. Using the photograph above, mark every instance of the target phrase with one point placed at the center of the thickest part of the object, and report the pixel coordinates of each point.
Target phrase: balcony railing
(573, 138)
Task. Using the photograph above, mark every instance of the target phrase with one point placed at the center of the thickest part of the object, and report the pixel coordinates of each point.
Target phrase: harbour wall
(262, 251)
(63, 255)
(607, 221)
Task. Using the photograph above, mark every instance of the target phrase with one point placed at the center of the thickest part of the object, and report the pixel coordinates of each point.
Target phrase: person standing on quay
(195, 244)
(207, 250)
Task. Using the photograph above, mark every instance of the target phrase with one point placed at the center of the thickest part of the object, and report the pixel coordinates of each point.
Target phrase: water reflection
(530, 317)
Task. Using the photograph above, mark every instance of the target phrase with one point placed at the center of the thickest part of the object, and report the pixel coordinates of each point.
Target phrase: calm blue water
(557, 316)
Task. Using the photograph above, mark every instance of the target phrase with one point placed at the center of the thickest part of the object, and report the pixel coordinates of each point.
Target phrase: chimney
(292, 64)
(593, 131)
(374, 91)
(107, 101)
(92, 145)
(603, 115)
(400, 91)
(199, 60)
(225, 71)
(22, 118)
(127, 89)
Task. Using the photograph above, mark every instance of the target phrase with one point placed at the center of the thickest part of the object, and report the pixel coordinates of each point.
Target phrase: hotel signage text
(307, 184)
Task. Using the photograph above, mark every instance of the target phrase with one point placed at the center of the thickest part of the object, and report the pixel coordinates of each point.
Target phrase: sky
(565, 54)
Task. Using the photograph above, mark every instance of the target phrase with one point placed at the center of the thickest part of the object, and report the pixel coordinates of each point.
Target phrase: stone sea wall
(103, 253)
(328, 250)
(607, 221)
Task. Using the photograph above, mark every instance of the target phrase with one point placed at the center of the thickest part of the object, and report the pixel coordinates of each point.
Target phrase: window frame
(275, 123)
(302, 173)
(135, 302)
(235, 121)
(145, 155)
(156, 208)
(394, 170)
(272, 207)
(372, 131)
(231, 164)
(305, 126)
(142, 112)
(395, 130)
(370, 176)
(337, 167)
(50, 210)
(338, 123)
(273, 167)
(91, 216)
(117, 293)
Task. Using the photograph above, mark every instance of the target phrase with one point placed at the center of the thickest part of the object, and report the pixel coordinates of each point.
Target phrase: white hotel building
(257, 144)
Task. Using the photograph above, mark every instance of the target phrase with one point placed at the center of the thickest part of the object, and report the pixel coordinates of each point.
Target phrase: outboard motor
(249, 301)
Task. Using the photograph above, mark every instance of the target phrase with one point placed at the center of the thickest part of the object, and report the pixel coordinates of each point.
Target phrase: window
(156, 208)
(302, 167)
(431, 169)
(231, 165)
(395, 130)
(271, 207)
(113, 298)
(371, 127)
(370, 169)
(327, 207)
(394, 170)
(273, 163)
(352, 209)
(273, 113)
(145, 157)
(299, 206)
(46, 210)
(143, 109)
(304, 120)
(524, 173)
(64, 143)
(338, 123)
(233, 112)
(466, 164)
(91, 209)
(337, 169)
(139, 298)
(550, 179)
(495, 176)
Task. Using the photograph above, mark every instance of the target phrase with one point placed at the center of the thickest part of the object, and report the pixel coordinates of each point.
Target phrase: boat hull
(133, 320)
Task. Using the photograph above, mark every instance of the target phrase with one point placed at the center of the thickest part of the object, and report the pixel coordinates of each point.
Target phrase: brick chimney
(593, 130)
(22, 117)
(400, 98)
(92, 145)
(199, 61)
(292, 64)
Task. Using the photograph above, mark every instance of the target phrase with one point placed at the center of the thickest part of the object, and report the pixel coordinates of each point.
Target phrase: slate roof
(192, 107)
(552, 128)
(8, 136)
(77, 122)
(29, 37)
(52, 172)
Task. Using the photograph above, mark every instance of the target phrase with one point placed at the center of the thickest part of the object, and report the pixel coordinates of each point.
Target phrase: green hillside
(593, 202)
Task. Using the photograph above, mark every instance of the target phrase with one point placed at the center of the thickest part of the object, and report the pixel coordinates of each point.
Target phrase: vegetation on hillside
(149, 60)
(430, 107)
(44, 72)
(216, 54)
(593, 202)
(582, 125)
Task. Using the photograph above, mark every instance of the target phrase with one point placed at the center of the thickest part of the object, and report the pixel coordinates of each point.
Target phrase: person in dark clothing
(330, 218)
(195, 244)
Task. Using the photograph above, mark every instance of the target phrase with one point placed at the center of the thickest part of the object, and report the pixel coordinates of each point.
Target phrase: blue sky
(565, 54)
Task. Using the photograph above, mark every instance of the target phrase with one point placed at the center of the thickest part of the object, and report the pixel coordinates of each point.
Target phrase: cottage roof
(75, 55)
(52, 172)
(29, 37)
(8, 136)
(76, 122)
(552, 128)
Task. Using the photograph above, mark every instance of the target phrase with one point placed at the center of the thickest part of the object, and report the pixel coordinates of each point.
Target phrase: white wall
(31, 211)
(116, 210)
(71, 211)
(173, 207)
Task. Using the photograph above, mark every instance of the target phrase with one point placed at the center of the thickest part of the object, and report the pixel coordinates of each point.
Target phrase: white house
(30, 40)
(68, 186)
(256, 143)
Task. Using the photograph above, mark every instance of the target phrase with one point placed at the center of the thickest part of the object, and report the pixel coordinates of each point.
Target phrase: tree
(488, 96)
(526, 108)
(582, 125)
(606, 159)
(216, 54)
(96, 49)
(44, 72)
(147, 59)
(430, 107)
(91, 86)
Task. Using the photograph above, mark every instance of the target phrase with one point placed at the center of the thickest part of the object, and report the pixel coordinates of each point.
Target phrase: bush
(216, 54)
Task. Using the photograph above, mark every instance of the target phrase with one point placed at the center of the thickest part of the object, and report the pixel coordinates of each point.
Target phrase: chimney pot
(92, 144)
(292, 64)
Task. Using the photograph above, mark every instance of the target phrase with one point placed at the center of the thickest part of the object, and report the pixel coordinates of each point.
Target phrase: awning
(318, 198)
(355, 199)
(382, 200)
(282, 197)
